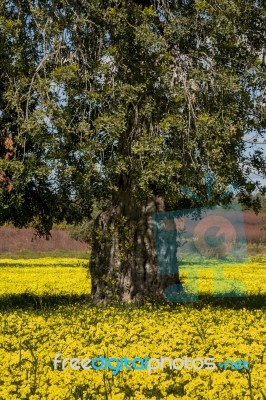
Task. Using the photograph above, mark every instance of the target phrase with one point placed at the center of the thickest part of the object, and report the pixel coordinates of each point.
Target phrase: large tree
(121, 104)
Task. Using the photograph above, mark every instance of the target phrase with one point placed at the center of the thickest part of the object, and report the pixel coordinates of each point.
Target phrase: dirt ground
(14, 240)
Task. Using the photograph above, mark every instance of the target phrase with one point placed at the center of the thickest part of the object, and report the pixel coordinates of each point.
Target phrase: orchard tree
(119, 104)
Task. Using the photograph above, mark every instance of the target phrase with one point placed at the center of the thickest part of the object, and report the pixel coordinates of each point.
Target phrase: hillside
(13, 240)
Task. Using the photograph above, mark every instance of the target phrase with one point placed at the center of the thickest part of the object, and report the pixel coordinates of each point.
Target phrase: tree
(121, 104)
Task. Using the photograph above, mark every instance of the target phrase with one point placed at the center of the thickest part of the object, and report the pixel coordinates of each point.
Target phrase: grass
(253, 249)
(28, 255)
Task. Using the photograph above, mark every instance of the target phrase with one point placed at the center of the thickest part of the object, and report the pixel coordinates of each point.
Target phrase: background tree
(121, 104)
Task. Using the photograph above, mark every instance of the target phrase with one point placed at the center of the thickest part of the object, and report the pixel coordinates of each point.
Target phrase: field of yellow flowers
(45, 310)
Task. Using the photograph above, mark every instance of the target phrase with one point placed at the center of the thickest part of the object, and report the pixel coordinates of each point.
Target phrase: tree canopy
(100, 100)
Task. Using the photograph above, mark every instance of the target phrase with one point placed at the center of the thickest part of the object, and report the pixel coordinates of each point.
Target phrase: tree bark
(123, 264)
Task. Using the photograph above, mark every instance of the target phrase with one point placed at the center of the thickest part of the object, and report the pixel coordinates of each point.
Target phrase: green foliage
(83, 231)
(108, 97)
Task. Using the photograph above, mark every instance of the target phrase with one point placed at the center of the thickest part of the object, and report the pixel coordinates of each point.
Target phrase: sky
(256, 142)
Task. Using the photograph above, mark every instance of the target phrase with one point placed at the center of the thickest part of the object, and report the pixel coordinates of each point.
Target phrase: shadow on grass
(31, 302)
(250, 302)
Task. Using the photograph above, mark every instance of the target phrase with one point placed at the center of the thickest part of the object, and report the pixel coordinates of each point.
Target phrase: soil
(14, 240)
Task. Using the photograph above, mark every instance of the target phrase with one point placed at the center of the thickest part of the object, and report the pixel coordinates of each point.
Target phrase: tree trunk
(123, 263)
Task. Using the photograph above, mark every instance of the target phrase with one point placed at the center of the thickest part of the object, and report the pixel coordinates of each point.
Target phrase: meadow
(45, 310)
